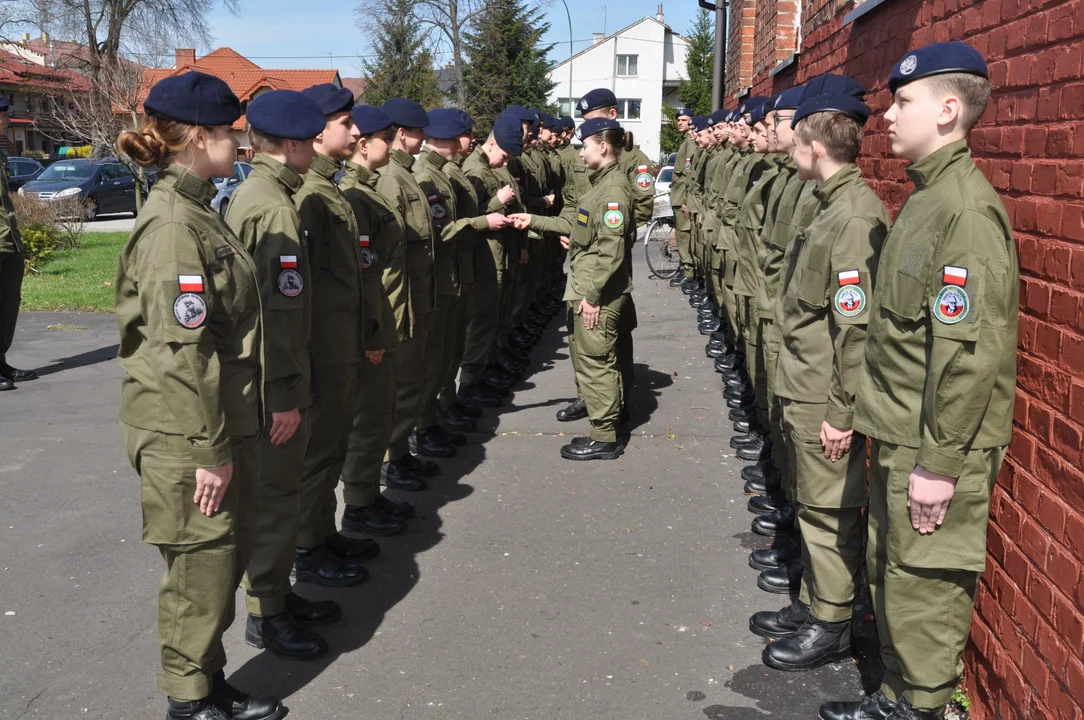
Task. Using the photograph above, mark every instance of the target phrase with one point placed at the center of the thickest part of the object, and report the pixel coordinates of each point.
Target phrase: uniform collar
(284, 174)
(929, 169)
(189, 184)
(362, 173)
(602, 172)
(324, 166)
(431, 157)
(401, 158)
(831, 187)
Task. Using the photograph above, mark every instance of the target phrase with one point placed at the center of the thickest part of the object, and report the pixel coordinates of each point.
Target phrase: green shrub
(46, 225)
(39, 242)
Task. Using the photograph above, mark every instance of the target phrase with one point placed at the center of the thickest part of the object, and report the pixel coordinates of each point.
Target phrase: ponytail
(627, 145)
(619, 140)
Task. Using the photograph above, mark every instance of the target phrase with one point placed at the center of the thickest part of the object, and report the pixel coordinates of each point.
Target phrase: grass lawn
(79, 279)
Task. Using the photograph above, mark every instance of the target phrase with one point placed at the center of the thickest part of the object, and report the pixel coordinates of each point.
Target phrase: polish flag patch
(363, 241)
(641, 168)
(433, 198)
(955, 276)
(849, 277)
(190, 283)
(613, 206)
(287, 261)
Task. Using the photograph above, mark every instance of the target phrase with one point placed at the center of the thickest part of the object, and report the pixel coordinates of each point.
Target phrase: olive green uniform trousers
(438, 355)
(924, 585)
(205, 556)
(410, 385)
(831, 498)
(11, 283)
(278, 518)
(684, 242)
(331, 418)
(370, 434)
(509, 293)
(485, 312)
(447, 396)
(595, 359)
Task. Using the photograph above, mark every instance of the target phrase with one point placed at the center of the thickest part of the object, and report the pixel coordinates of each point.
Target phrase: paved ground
(112, 223)
(529, 587)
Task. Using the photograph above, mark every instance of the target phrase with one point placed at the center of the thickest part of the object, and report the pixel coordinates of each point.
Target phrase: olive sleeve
(277, 241)
(372, 284)
(855, 251)
(972, 318)
(185, 361)
(609, 255)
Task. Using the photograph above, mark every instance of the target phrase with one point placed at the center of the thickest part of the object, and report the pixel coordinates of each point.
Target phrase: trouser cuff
(190, 687)
(266, 606)
(930, 700)
(829, 612)
(361, 498)
(892, 686)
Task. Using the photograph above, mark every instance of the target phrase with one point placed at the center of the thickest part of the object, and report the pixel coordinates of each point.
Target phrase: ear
(199, 140)
(950, 110)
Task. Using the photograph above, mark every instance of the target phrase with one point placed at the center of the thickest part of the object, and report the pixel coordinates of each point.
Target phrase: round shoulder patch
(614, 219)
(952, 304)
(190, 310)
(644, 180)
(367, 258)
(850, 301)
(290, 283)
(438, 211)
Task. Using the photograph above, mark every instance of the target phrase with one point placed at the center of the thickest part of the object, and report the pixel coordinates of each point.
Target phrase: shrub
(39, 241)
(46, 225)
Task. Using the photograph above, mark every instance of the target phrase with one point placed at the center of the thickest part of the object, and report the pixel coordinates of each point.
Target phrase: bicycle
(660, 245)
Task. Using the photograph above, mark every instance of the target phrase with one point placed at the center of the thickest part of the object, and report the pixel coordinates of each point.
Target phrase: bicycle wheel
(660, 246)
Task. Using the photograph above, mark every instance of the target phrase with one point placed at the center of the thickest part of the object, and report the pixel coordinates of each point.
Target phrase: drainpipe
(718, 88)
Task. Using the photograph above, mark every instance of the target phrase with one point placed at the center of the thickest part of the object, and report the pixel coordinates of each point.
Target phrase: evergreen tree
(695, 91)
(506, 62)
(403, 66)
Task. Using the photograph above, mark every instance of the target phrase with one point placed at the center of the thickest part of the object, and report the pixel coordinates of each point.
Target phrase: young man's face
(740, 136)
(497, 157)
(375, 149)
(719, 133)
(760, 137)
(466, 142)
(683, 123)
(804, 157)
(299, 155)
(913, 129)
(340, 136)
(783, 132)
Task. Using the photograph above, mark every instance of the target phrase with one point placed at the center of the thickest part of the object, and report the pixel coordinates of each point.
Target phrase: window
(121, 171)
(628, 109)
(626, 65)
(566, 104)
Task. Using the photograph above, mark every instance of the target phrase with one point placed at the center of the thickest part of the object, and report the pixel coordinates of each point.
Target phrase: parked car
(105, 186)
(21, 171)
(662, 191)
(671, 158)
(227, 185)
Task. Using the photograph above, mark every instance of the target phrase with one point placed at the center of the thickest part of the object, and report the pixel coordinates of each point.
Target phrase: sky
(300, 34)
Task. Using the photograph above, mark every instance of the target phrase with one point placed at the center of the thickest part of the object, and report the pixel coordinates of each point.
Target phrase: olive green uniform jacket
(397, 184)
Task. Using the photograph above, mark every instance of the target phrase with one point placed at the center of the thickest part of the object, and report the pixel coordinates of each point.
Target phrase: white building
(641, 64)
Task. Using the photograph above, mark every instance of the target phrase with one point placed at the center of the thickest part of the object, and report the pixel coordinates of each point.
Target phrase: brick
(1067, 62)
(1070, 624)
(1047, 342)
(1043, 175)
(1074, 677)
(1027, 619)
(1062, 568)
(1052, 514)
(1067, 438)
(1041, 595)
(1052, 647)
(1048, 215)
(1072, 352)
(1035, 670)
(1070, 175)
(1021, 177)
(1016, 565)
(1056, 261)
(1040, 420)
(1034, 543)
(1072, 101)
(1049, 109)
(1072, 222)
(1076, 402)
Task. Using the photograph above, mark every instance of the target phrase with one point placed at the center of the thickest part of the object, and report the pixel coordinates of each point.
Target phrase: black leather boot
(676, 281)
(592, 450)
(744, 400)
(312, 612)
(783, 550)
(398, 509)
(6, 384)
(15, 374)
(745, 412)
(478, 395)
(782, 580)
(241, 706)
(398, 476)
(319, 566)
(203, 709)
(431, 445)
(457, 422)
(352, 550)
(767, 504)
(284, 637)
(777, 523)
(781, 623)
(873, 707)
(743, 426)
(370, 520)
(449, 437)
(816, 643)
(759, 448)
(754, 438)
(575, 410)
(761, 479)
(905, 711)
(421, 468)
(468, 408)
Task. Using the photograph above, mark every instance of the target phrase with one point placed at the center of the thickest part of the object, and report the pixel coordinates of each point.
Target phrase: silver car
(662, 192)
(226, 186)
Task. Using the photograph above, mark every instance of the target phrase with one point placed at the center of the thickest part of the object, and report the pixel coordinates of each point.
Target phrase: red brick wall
(1025, 655)
(739, 61)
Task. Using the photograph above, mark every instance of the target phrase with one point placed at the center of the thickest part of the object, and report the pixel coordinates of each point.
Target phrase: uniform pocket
(813, 281)
(904, 291)
(601, 340)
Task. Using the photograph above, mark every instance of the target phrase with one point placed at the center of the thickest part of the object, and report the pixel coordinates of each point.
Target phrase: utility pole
(718, 88)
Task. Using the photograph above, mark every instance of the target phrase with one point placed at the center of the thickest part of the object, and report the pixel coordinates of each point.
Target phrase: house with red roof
(31, 89)
(246, 79)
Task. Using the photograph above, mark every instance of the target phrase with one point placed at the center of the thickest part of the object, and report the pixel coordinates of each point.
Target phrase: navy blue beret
(194, 98)
(406, 113)
(4, 104)
(371, 119)
(446, 124)
(519, 112)
(286, 114)
(790, 98)
(751, 104)
(467, 119)
(331, 98)
(699, 122)
(684, 111)
(834, 84)
(567, 123)
(937, 59)
(549, 122)
(508, 132)
(596, 125)
(847, 105)
(719, 116)
(759, 112)
(597, 98)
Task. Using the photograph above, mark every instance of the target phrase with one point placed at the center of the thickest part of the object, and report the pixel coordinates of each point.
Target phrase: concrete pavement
(527, 587)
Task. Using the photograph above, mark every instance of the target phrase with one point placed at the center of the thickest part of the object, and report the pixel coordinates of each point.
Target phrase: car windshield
(666, 174)
(68, 171)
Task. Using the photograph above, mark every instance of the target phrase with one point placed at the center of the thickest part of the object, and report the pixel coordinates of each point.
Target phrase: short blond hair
(840, 135)
(972, 90)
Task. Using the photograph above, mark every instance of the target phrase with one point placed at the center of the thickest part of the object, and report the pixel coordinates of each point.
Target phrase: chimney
(26, 37)
(184, 56)
(45, 37)
(596, 38)
(659, 16)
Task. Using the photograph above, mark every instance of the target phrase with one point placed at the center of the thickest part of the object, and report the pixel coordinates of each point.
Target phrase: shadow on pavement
(91, 357)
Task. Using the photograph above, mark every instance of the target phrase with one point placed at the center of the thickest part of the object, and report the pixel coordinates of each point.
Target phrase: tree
(506, 62)
(403, 66)
(449, 19)
(694, 92)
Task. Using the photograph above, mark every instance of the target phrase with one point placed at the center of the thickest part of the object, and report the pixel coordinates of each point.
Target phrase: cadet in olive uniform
(828, 278)
(11, 269)
(282, 125)
(383, 260)
(188, 309)
(495, 194)
(937, 396)
(451, 226)
(682, 167)
(599, 284)
(400, 188)
(342, 328)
